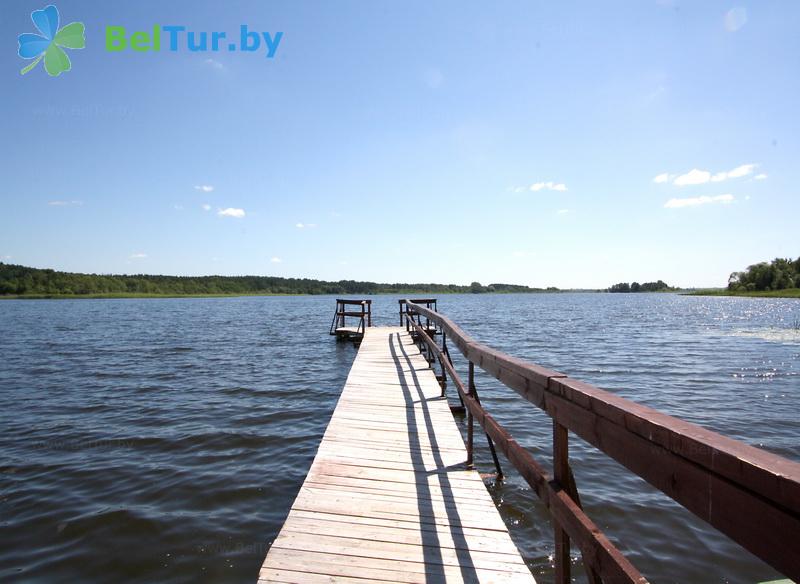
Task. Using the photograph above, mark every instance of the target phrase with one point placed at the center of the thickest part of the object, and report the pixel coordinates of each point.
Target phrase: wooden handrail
(353, 302)
(748, 494)
(430, 303)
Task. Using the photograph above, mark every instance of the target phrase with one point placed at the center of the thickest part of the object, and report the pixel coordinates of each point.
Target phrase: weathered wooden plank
(387, 498)
(390, 486)
(462, 506)
(403, 523)
(387, 445)
(429, 553)
(338, 566)
(420, 508)
(422, 457)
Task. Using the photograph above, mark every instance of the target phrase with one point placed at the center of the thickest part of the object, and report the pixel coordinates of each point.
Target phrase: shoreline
(258, 294)
(785, 293)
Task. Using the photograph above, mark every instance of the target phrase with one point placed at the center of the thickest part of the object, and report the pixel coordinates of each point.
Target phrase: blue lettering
(245, 37)
(203, 46)
(215, 38)
(272, 43)
(173, 36)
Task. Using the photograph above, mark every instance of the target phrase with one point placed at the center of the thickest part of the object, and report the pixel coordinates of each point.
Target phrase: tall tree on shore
(779, 274)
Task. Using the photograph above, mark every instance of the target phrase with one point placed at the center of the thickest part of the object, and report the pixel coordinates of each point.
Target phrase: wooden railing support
(470, 417)
(561, 472)
(443, 381)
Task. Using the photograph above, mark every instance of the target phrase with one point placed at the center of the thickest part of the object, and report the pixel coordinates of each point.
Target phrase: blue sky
(559, 143)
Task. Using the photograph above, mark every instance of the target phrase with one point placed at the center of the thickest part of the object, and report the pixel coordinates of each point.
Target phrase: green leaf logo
(50, 44)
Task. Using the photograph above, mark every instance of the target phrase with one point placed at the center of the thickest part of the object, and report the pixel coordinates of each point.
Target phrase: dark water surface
(163, 440)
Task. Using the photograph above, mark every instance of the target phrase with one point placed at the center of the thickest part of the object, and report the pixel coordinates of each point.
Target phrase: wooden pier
(392, 497)
(388, 497)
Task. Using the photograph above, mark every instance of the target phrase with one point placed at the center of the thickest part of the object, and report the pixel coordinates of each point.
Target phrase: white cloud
(231, 212)
(737, 172)
(178, 207)
(693, 177)
(65, 203)
(662, 178)
(735, 18)
(204, 188)
(214, 64)
(741, 171)
(138, 256)
(276, 260)
(760, 176)
(695, 201)
(549, 185)
(699, 177)
(562, 211)
(206, 207)
(6, 257)
(305, 225)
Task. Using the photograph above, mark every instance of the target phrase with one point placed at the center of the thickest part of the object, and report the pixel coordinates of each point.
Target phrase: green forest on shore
(659, 286)
(779, 278)
(21, 281)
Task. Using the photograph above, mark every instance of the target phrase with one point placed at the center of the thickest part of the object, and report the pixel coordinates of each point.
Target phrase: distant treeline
(23, 281)
(659, 286)
(779, 274)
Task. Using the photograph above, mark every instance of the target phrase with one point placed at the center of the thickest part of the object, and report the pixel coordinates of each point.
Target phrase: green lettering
(140, 41)
(115, 38)
(156, 37)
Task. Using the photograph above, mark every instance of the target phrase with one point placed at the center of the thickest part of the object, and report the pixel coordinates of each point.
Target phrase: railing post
(470, 420)
(443, 357)
(561, 472)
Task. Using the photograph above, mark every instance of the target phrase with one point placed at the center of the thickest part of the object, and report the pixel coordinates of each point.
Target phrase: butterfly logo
(50, 44)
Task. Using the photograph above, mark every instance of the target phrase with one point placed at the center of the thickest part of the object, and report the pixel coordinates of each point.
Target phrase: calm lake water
(164, 440)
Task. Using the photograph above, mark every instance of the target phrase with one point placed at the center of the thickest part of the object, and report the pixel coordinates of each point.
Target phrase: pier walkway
(388, 497)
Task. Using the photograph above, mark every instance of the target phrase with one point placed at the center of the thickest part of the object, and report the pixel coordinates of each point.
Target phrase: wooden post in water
(561, 472)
